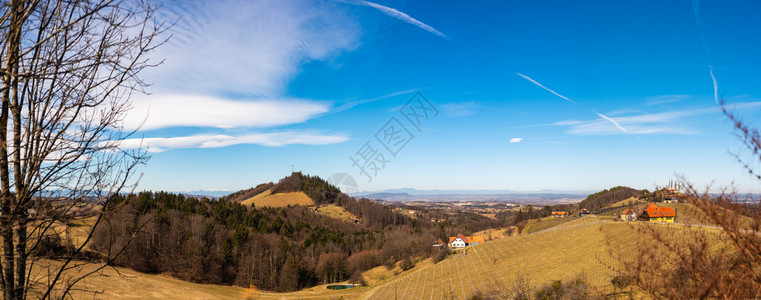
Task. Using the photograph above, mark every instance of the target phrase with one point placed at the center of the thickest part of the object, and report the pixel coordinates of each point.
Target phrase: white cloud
(516, 140)
(162, 111)
(248, 47)
(228, 64)
(663, 99)
(277, 139)
(460, 109)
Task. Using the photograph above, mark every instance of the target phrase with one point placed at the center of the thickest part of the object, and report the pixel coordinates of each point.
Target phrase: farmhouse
(461, 241)
(558, 214)
(655, 213)
(628, 215)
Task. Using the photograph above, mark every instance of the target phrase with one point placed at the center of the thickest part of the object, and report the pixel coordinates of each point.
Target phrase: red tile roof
(653, 211)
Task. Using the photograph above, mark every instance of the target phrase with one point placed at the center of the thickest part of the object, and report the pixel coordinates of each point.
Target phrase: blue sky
(530, 95)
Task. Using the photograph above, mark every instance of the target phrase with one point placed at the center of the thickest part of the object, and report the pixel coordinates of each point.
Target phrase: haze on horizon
(570, 96)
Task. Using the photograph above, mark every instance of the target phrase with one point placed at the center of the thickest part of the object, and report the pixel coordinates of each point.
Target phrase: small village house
(654, 213)
(460, 241)
(628, 215)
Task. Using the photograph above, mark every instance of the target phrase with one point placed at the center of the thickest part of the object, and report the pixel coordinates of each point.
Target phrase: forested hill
(607, 197)
(275, 248)
(319, 190)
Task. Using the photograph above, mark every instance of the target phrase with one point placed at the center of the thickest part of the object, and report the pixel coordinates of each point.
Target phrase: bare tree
(721, 260)
(68, 69)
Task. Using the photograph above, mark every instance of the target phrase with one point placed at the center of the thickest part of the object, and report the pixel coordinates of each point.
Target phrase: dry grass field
(266, 199)
(575, 250)
(544, 223)
(627, 201)
(336, 212)
(253, 199)
(491, 234)
(122, 283)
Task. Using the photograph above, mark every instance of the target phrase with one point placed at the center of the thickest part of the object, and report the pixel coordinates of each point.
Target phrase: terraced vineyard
(565, 252)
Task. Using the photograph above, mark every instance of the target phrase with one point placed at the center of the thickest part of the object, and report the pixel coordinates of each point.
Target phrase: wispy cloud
(354, 103)
(516, 140)
(391, 12)
(546, 88)
(248, 47)
(616, 124)
(228, 65)
(173, 110)
(671, 122)
(215, 141)
(665, 99)
(460, 109)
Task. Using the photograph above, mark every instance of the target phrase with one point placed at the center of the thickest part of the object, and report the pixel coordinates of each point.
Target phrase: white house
(458, 242)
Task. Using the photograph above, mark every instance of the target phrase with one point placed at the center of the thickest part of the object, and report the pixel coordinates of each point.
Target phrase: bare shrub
(720, 261)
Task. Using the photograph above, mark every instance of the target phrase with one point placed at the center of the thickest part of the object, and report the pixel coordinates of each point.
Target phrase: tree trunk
(7, 221)
(21, 256)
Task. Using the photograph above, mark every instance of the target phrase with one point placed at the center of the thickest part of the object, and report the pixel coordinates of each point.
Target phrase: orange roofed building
(558, 214)
(654, 213)
(461, 241)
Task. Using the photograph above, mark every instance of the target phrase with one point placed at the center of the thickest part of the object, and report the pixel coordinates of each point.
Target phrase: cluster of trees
(607, 197)
(593, 202)
(282, 249)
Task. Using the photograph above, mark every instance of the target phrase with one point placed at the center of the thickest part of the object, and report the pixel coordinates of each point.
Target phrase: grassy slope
(561, 254)
(253, 199)
(544, 223)
(496, 233)
(266, 199)
(628, 201)
(123, 283)
(336, 212)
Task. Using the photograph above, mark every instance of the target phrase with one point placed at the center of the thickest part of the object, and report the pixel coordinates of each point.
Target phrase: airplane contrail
(715, 86)
(546, 88)
(611, 120)
(404, 17)
(574, 102)
(396, 14)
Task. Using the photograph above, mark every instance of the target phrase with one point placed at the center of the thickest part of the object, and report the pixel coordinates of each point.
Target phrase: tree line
(280, 249)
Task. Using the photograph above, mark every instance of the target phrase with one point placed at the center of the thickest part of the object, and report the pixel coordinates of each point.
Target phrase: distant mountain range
(412, 194)
(207, 193)
(416, 192)
(534, 197)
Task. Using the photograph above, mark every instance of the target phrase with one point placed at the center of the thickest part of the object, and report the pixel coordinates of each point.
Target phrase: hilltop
(321, 236)
(297, 190)
(607, 197)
